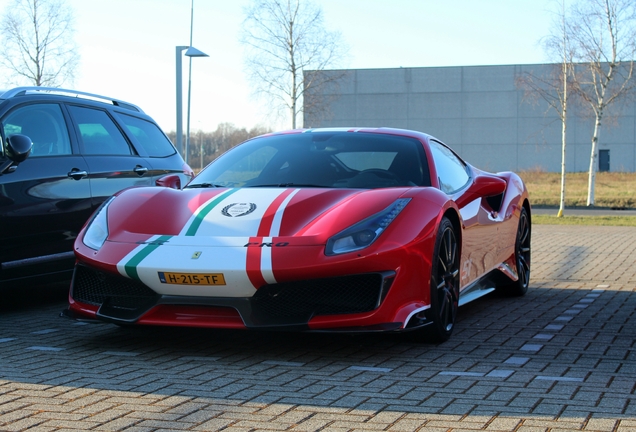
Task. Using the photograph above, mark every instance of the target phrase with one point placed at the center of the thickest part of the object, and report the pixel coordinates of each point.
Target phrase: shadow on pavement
(33, 297)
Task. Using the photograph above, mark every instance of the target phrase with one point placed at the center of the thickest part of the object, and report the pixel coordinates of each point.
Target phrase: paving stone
(214, 424)
(484, 378)
(407, 425)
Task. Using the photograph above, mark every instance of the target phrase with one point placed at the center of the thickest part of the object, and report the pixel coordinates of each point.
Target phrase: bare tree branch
(605, 42)
(555, 87)
(284, 38)
(37, 42)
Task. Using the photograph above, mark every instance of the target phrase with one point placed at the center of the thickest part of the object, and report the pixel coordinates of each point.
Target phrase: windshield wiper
(202, 185)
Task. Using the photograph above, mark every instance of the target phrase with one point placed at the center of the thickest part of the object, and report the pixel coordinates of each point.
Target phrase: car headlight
(364, 233)
(97, 230)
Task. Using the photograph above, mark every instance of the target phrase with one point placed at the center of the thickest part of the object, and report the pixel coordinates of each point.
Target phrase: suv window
(149, 136)
(99, 133)
(44, 124)
(451, 171)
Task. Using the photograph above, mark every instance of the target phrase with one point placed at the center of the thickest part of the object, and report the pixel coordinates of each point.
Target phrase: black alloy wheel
(522, 256)
(444, 284)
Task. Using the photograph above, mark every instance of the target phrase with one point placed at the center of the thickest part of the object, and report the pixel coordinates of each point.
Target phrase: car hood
(301, 215)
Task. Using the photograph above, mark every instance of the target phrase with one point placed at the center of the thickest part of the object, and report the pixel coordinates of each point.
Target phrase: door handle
(140, 170)
(77, 174)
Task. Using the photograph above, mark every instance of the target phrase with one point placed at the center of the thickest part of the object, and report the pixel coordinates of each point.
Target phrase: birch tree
(604, 37)
(559, 45)
(37, 42)
(554, 87)
(284, 38)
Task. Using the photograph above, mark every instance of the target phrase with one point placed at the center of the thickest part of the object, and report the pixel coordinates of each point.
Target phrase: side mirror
(172, 181)
(483, 186)
(489, 186)
(17, 149)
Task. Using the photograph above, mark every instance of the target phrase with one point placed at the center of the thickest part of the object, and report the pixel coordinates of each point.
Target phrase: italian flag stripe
(203, 212)
(265, 227)
(131, 266)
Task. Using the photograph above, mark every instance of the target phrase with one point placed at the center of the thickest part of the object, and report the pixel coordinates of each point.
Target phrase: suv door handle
(77, 174)
(140, 170)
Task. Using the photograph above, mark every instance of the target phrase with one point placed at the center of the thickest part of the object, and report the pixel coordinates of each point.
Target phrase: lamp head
(193, 52)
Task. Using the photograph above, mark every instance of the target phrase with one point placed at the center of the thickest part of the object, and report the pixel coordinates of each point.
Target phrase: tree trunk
(593, 161)
(294, 72)
(563, 171)
(294, 100)
(564, 118)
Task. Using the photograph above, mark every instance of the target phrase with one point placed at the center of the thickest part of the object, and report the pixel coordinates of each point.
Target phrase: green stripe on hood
(198, 220)
(131, 266)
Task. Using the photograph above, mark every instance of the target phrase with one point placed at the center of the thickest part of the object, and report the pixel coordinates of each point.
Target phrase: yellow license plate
(192, 278)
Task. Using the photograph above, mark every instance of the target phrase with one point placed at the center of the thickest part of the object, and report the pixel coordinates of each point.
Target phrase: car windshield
(320, 159)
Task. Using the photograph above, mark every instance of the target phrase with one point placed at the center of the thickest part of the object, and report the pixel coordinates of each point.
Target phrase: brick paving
(562, 358)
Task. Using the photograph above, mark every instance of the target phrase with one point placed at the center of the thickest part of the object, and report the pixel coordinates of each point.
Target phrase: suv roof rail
(22, 91)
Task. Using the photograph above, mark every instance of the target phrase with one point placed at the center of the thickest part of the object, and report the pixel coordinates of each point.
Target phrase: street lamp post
(200, 150)
(179, 142)
(190, 52)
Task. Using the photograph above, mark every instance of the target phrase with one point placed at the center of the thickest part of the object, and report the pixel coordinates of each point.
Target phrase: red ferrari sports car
(322, 229)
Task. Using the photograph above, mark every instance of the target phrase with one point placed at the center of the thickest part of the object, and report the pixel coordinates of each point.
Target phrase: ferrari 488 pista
(325, 230)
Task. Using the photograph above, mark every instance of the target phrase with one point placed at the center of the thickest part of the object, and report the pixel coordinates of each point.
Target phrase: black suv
(85, 148)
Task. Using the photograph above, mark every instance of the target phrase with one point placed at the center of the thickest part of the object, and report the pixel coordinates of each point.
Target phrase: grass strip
(613, 189)
(584, 220)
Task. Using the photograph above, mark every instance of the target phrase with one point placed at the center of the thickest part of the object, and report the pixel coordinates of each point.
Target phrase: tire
(444, 285)
(522, 258)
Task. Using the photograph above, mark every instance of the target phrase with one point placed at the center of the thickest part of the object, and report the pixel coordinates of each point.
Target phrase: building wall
(480, 111)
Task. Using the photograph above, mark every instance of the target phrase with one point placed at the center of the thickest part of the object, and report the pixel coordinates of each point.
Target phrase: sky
(128, 47)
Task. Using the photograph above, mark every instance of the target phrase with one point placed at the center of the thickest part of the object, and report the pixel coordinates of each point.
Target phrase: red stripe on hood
(253, 262)
(264, 230)
(254, 253)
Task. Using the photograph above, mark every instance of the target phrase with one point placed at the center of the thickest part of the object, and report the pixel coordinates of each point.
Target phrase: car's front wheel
(444, 284)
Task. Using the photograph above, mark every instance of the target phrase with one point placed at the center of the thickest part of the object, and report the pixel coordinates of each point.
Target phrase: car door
(480, 239)
(113, 164)
(46, 200)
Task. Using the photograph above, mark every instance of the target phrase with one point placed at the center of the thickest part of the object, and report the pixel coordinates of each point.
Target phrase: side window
(149, 136)
(44, 124)
(451, 171)
(99, 134)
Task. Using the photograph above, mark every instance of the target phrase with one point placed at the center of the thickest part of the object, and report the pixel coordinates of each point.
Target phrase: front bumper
(290, 305)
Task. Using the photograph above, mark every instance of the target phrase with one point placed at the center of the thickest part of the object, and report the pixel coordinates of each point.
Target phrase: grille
(304, 299)
(94, 287)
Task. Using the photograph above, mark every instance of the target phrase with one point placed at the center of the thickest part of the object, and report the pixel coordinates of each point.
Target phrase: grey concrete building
(481, 112)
